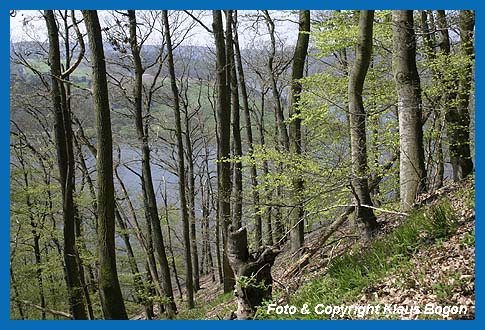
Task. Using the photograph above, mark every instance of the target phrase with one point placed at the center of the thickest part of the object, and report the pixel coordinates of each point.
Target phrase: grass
(203, 307)
(350, 274)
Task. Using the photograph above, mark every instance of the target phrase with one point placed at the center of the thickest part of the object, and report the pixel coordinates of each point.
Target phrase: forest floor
(433, 271)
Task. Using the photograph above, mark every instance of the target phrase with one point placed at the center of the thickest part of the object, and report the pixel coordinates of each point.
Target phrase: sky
(29, 25)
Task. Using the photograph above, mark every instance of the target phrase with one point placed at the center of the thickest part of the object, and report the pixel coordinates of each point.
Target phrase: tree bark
(297, 233)
(151, 201)
(460, 121)
(412, 174)
(223, 150)
(357, 119)
(65, 159)
(236, 132)
(280, 118)
(189, 286)
(249, 137)
(109, 287)
(191, 200)
(169, 236)
(435, 145)
(253, 273)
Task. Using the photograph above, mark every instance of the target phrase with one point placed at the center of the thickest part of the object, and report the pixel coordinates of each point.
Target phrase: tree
(457, 113)
(181, 165)
(297, 224)
(149, 196)
(65, 159)
(232, 81)
(249, 136)
(412, 174)
(223, 144)
(357, 119)
(109, 288)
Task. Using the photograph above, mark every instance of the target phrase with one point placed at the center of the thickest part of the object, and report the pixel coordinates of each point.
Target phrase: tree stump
(252, 271)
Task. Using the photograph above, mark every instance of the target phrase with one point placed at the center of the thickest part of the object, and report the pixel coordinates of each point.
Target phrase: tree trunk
(357, 119)
(412, 174)
(253, 273)
(249, 137)
(460, 121)
(65, 159)
(191, 201)
(189, 286)
(236, 131)
(109, 287)
(280, 118)
(297, 233)
(169, 236)
(435, 179)
(16, 296)
(224, 132)
(151, 200)
(268, 208)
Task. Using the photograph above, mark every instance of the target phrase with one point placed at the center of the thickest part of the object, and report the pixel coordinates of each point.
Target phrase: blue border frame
(5, 5)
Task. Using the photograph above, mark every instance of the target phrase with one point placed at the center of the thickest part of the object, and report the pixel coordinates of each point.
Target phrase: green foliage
(202, 308)
(348, 275)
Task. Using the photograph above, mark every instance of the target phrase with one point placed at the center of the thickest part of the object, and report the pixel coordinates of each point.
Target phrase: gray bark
(297, 233)
(189, 284)
(223, 150)
(109, 288)
(412, 174)
(65, 159)
(357, 120)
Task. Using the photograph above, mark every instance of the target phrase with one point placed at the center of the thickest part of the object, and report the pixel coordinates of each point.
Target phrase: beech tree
(181, 165)
(223, 145)
(297, 224)
(65, 159)
(109, 288)
(412, 174)
(357, 119)
(149, 196)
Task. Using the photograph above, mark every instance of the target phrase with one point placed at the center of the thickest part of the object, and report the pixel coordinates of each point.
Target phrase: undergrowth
(201, 308)
(350, 274)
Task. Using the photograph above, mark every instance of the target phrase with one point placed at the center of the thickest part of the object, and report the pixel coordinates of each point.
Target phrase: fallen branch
(47, 310)
(376, 208)
(304, 259)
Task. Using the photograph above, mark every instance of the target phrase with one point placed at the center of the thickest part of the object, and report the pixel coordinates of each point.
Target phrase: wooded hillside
(208, 164)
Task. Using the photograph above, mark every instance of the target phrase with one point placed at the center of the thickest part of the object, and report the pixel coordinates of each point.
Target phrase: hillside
(433, 271)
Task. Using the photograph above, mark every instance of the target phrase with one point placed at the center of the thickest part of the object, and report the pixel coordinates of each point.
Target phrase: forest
(242, 164)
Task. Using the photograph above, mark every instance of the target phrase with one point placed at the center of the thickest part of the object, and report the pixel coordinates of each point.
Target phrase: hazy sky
(29, 25)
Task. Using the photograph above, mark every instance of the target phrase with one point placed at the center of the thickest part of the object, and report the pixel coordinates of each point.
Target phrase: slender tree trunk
(236, 132)
(268, 211)
(135, 271)
(357, 119)
(435, 145)
(146, 243)
(109, 287)
(36, 236)
(249, 137)
(146, 169)
(181, 166)
(191, 200)
(210, 201)
(460, 122)
(170, 248)
(297, 234)
(224, 132)
(82, 277)
(457, 97)
(16, 296)
(412, 173)
(65, 158)
(280, 118)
